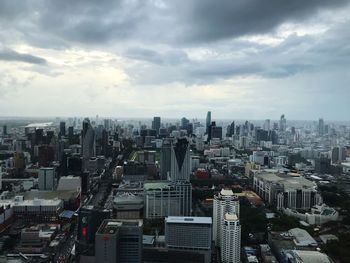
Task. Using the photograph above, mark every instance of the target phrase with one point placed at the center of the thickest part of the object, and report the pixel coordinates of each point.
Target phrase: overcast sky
(241, 59)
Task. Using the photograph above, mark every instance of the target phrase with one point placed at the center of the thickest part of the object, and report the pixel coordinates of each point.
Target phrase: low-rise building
(318, 215)
(286, 190)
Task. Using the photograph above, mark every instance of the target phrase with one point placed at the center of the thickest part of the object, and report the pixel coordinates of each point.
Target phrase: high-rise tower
(180, 161)
(208, 121)
(156, 124)
(224, 202)
(321, 127)
(87, 142)
(230, 239)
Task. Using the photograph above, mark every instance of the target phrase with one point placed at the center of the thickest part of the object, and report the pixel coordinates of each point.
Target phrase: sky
(240, 59)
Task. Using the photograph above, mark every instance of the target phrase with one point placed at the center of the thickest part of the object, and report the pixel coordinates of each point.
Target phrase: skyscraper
(62, 128)
(208, 121)
(156, 124)
(88, 142)
(4, 130)
(230, 239)
(184, 123)
(89, 221)
(321, 127)
(283, 123)
(180, 161)
(224, 202)
(267, 125)
(216, 132)
(231, 129)
(165, 159)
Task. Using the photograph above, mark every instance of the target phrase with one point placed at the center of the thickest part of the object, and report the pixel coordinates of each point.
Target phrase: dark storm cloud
(159, 33)
(92, 22)
(11, 55)
(294, 55)
(208, 20)
(12, 9)
(178, 23)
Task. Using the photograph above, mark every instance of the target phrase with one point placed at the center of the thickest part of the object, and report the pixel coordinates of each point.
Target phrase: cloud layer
(240, 59)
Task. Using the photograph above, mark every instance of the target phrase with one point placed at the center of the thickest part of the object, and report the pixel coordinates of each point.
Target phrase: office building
(62, 128)
(321, 128)
(231, 129)
(230, 239)
(180, 161)
(89, 221)
(107, 123)
(208, 121)
(165, 159)
(283, 123)
(184, 123)
(156, 124)
(338, 154)
(88, 142)
(267, 125)
(119, 241)
(128, 206)
(146, 157)
(166, 198)
(286, 190)
(46, 178)
(37, 210)
(224, 202)
(322, 165)
(216, 132)
(163, 132)
(189, 234)
(70, 132)
(46, 155)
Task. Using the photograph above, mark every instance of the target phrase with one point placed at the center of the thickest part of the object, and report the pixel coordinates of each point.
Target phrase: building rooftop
(287, 180)
(62, 194)
(40, 202)
(154, 185)
(69, 183)
(302, 237)
(127, 199)
(226, 192)
(231, 217)
(328, 237)
(306, 256)
(188, 220)
(111, 226)
(148, 240)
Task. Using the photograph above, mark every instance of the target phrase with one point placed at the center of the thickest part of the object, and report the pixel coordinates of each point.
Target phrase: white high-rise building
(224, 202)
(230, 239)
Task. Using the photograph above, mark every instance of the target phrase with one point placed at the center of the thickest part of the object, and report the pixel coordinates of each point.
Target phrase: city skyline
(136, 59)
